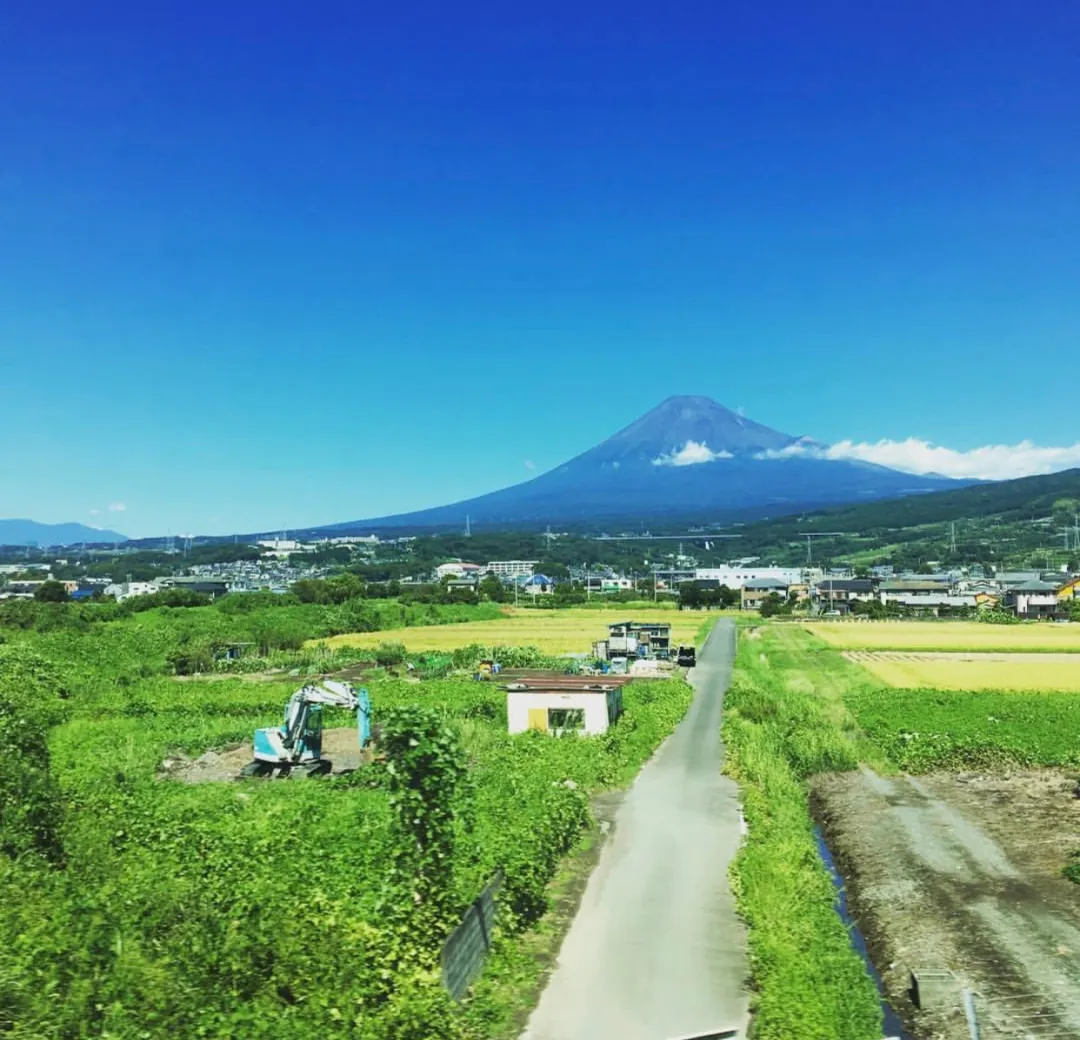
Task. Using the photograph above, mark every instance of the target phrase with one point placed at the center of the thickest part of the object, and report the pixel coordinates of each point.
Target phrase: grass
(1021, 672)
(573, 630)
(785, 719)
(922, 729)
(948, 635)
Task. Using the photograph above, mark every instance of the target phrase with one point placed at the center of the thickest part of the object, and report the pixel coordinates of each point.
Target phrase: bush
(388, 654)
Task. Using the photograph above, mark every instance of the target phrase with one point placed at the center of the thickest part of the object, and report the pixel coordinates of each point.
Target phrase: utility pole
(817, 534)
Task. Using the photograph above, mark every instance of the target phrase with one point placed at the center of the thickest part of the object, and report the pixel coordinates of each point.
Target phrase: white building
(587, 711)
(127, 589)
(457, 569)
(737, 577)
(511, 568)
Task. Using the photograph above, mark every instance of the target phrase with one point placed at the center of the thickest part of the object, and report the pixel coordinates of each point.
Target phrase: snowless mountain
(687, 458)
(30, 532)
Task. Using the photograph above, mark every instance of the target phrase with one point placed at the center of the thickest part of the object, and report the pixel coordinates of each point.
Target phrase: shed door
(538, 719)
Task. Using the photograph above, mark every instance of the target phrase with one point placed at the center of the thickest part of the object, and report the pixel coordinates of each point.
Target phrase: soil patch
(962, 872)
(340, 745)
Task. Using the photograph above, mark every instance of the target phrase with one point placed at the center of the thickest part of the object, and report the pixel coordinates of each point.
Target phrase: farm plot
(552, 631)
(962, 873)
(961, 867)
(136, 905)
(949, 635)
(972, 671)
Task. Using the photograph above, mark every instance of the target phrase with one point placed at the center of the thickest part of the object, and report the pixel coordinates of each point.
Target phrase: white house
(127, 589)
(588, 710)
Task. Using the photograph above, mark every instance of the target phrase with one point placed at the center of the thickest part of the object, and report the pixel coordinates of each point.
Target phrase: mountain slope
(687, 457)
(30, 532)
(1015, 524)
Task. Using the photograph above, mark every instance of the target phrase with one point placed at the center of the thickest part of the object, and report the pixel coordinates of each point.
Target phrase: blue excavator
(295, 747)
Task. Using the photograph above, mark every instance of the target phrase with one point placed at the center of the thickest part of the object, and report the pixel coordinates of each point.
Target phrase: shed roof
(765, 583)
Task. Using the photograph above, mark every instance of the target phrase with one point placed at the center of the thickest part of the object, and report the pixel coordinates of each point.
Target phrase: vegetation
(968, 672)
(785, 720)
(924, 729)
(554, 632)
(141, 906)
(949, 636)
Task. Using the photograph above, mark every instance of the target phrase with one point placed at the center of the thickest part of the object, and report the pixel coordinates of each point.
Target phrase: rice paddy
(973, 671)
(1035, 637)
(566, 631)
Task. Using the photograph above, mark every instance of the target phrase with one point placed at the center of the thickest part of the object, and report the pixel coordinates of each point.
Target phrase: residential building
(638, 639)
(906, 590)
(511, 568)
(1033, 599)
(538, 585)
(840, 593)
(756, 591)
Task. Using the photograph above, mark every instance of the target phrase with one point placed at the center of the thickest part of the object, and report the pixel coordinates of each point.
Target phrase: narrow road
(656, 950)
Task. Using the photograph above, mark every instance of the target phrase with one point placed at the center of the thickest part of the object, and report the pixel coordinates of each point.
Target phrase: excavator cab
(295, 747)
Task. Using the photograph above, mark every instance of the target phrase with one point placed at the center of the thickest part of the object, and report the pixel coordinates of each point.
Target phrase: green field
(136, 906)
(797, 706)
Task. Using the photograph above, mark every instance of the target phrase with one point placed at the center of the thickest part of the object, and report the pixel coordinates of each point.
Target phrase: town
(281, 565)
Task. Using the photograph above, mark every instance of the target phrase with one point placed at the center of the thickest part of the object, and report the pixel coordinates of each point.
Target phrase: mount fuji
(687, 459)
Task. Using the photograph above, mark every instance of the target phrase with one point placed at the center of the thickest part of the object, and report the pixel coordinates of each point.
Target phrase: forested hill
(1007, 523)
(1024, 499)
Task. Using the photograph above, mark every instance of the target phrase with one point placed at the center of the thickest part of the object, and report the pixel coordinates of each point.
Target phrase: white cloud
(990, 462)
(690, 454)
(117, 507)
(95, 512)
(529, 464)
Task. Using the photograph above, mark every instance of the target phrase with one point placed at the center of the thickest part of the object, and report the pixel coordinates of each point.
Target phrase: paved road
(656, 950)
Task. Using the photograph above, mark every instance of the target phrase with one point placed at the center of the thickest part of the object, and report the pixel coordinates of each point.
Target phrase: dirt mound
(340, 745)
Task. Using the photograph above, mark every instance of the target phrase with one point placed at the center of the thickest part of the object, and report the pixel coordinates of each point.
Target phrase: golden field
(989, 671)
(573, 630)
(948, 635)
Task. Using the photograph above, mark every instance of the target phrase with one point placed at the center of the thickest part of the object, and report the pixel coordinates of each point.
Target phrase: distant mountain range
(30, 532)
(687, 458)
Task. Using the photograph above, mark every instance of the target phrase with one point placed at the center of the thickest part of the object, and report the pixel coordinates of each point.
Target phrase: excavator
(295, 747)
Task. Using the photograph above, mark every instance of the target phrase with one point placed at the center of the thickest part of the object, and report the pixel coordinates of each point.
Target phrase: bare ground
(963, 873)
(340, 745)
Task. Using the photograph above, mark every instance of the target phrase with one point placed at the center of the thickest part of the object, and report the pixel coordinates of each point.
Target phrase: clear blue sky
(300, 263)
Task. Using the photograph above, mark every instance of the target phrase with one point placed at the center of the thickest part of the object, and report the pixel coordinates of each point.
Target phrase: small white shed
(587, 709)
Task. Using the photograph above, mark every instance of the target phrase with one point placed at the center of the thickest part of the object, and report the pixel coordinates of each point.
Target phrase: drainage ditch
(894, 1027)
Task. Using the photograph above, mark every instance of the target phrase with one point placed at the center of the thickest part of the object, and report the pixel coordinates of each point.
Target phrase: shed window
(566, 720)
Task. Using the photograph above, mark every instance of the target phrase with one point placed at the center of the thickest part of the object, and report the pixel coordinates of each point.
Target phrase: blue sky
(299, 263)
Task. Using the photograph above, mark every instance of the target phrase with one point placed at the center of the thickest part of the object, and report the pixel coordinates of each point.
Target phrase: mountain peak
(694, 420)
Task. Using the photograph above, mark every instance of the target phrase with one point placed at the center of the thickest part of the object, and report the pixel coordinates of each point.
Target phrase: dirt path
(656, 950)
(962, 873)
